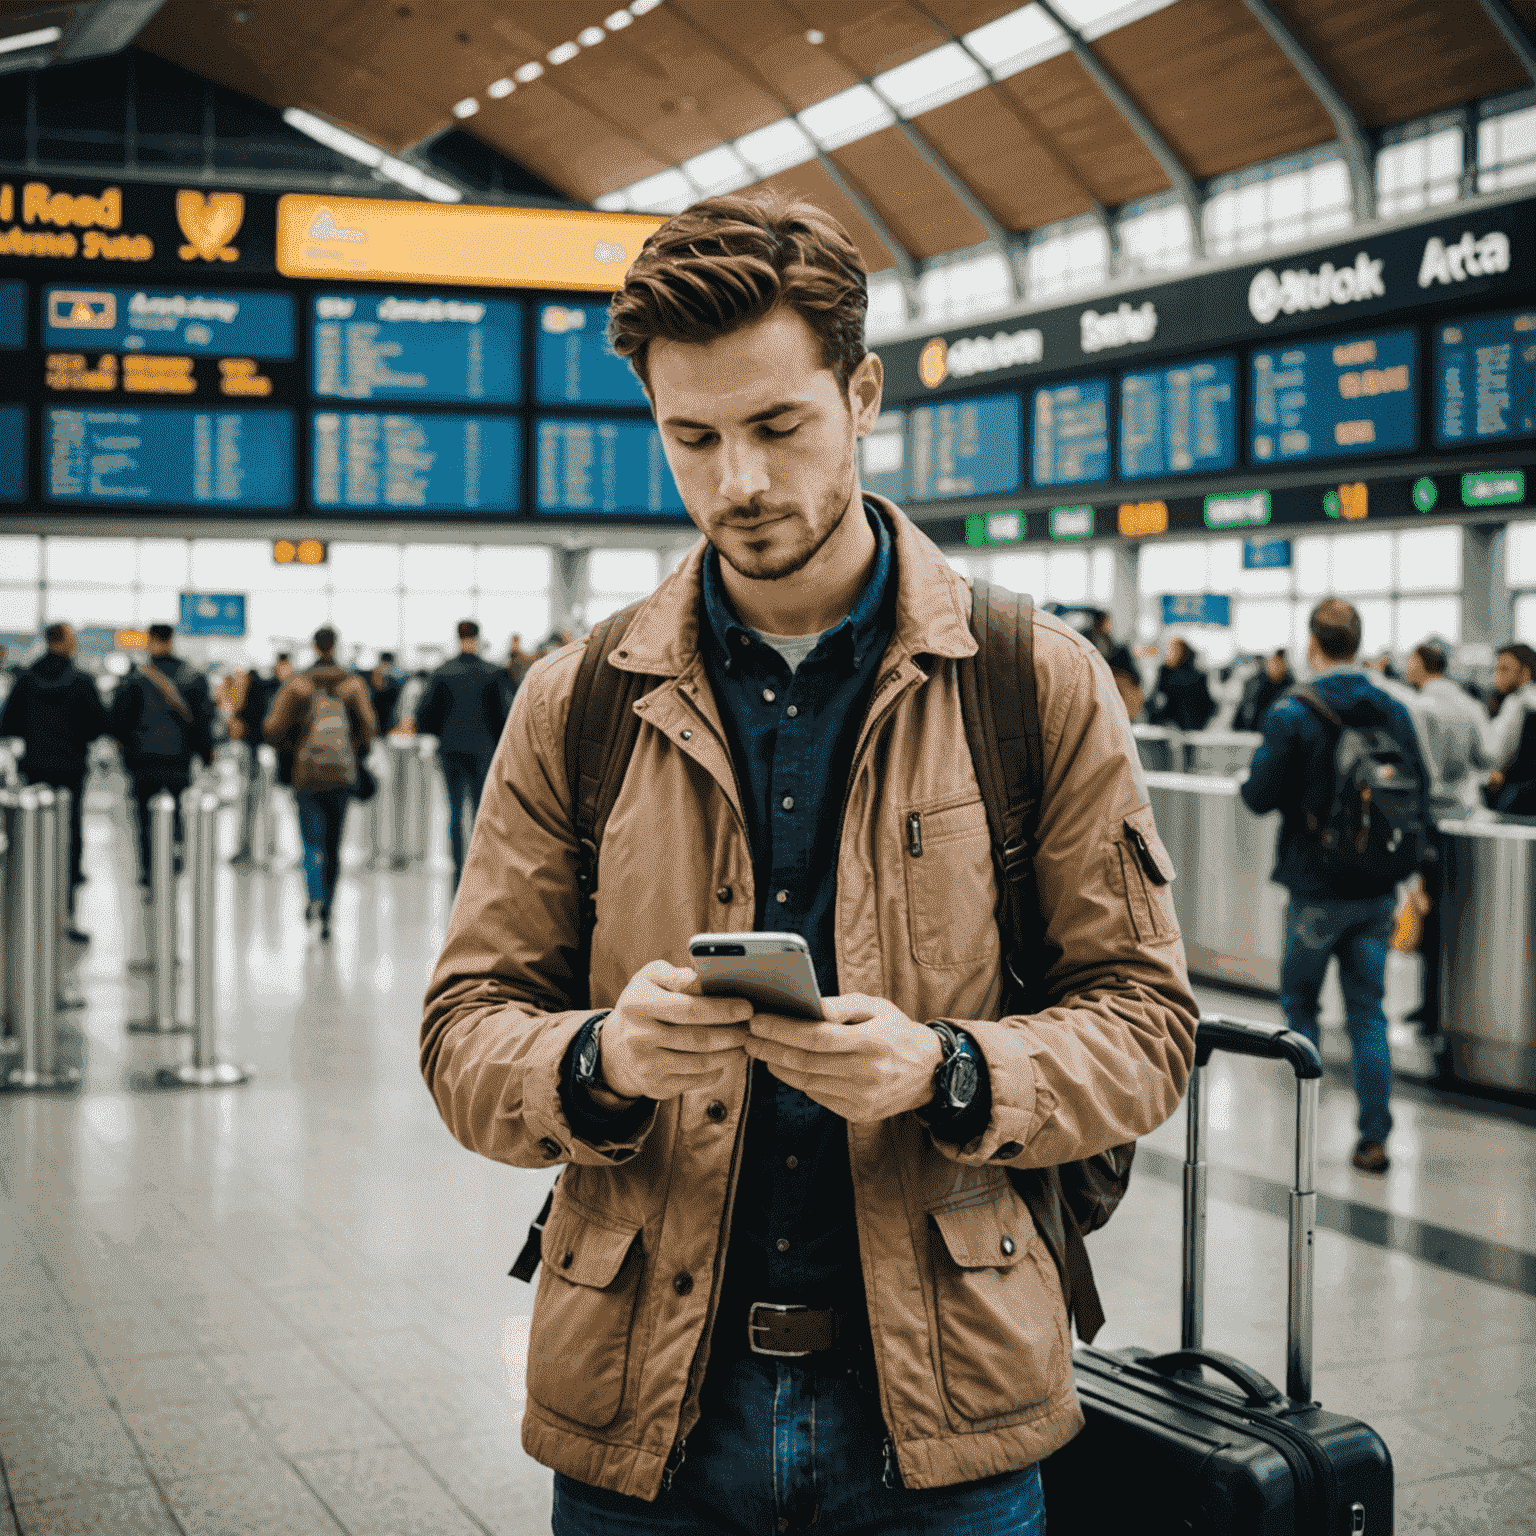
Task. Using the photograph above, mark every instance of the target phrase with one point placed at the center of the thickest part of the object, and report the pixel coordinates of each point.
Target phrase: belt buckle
(753, 1325)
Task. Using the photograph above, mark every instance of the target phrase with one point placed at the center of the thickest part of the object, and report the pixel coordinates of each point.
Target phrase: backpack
(1002, 727)
(163, 729)
(1373, 833)
(325, 759)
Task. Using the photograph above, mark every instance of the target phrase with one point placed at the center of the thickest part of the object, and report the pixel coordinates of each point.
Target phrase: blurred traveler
(1261, 690)
(465, 709)
(780, 658)
(1122, 665)
(1341, 883)
(1182, 697)
(383, 689)
(1511, 737)
(324, 718)
(246, 725)
(56, 710)
(162, 716)
(518, 663)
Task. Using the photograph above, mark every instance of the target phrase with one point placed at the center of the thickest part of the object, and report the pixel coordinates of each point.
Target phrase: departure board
(1335, 399)
(1072, 433)
(575, 365)
(1485, 379)
(1179, 421)
(602, 466)
(13, 452)
(966, 448)
(433, 463)
(221, 321)
(391, 348)
(169, 456)
(883, 456)
(13, 316)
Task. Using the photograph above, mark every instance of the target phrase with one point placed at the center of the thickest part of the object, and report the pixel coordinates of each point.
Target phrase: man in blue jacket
(1293, 772)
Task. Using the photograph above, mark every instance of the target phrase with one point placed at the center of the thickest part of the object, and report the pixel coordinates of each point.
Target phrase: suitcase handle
(1242, 1038)
(1261, 1391)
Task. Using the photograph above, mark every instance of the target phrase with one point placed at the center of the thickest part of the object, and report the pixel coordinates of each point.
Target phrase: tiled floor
(278, 1308)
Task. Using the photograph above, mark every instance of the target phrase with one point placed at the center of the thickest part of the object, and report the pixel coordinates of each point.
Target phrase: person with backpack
(162, 716)
(55, 709)
(323, 717)
(465, 708)
(1340, 761)
(799, 1272)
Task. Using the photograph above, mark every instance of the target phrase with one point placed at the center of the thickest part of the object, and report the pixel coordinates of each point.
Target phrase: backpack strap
(1316, 703)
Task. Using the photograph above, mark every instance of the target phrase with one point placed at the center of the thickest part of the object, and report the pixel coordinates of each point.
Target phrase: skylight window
(563, 54)
(669, 192)
(849, 115)
(498, 89)
(776, 147)
(528, 72)
(618, 21)
(1093, 18)
(612, 202)
(718, 170)
(927, 82)
(590, 37)
(643, 7)
(466, 108)
(1015, 41)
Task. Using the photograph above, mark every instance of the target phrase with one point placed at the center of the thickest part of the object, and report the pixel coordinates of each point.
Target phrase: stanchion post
(10, 924)
(420, 778)
(400, 753)
(70, 995)
(264, 838)
(39, 1067)
(162, 895)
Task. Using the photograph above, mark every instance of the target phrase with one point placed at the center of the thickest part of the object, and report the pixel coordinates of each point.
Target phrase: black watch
(957, 1078)
(588, 1063)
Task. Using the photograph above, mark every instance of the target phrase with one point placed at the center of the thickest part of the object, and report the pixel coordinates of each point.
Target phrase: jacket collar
(932, 610)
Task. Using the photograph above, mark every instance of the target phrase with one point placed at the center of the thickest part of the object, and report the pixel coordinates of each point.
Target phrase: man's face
(1508, 674)
(761, 440)
(1415, 671)
(70, 642)
(1275, 666)
(159, 647)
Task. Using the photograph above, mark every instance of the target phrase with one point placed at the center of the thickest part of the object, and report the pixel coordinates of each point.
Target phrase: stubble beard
(827, 520)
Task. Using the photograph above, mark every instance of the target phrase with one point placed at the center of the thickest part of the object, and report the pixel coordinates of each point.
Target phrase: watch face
(586, 1060)
(962, 1082)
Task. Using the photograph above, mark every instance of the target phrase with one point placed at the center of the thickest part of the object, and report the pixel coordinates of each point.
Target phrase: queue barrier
(163, 914)
(411, 762)
(1163, 749)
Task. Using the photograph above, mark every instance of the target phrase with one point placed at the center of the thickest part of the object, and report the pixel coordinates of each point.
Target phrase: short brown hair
(730, 261)
(1335, 625)
(468, 630)
(1431, 658)
(324, 640)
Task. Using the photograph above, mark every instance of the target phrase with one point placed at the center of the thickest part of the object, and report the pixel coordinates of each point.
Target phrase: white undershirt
(793, 648)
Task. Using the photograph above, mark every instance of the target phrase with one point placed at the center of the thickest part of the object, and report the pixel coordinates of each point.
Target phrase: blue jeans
(464, 775)
(322, 815)
(783, 1444)
(1359, 933)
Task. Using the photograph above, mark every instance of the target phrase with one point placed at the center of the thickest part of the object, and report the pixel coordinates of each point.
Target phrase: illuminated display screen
(967, 448)
(1485, 379)
(215, 321)
(13, 452)
(575, 365)
(1335, 399)
(454, 349)
(169, 457)
(602, 466)
(435, 463)
(1072, 433)
(883, 456)
(1179, 421)
(13, 315)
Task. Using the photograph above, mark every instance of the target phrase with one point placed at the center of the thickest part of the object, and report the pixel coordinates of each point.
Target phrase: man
(1182, 696)
(162, 715)
(55, 708)
(1122, 665)
(1510, 740)
(1293, 772)
(1261, 690)
(383, 689)
(323, 718)
(465, 709)
(246, 725)
(724, 1170)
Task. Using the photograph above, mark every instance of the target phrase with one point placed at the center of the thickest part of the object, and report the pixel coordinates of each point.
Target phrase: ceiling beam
(106, 27)
(1173, 168)
(1514, 34)
(1354, 144)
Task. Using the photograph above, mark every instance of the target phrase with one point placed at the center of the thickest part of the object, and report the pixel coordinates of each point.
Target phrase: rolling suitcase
(1165, 1451)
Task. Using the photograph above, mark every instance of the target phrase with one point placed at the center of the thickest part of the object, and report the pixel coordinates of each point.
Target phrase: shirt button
(792, 711)
(716, 1110)
(781, 898)
(788, 802)
(682, 1283)
(687, 735)
(723, 895)
(1007, 1245)
(768, 695)
(791, 1162)
(782, 1245)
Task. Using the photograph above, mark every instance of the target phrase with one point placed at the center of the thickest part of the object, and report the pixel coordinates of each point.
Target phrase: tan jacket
(290, 709)
(971, 1342)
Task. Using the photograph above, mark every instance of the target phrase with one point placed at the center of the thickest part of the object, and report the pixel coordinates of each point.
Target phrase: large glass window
(1506, 143)
(1067, 258)
(616, 577)
(1278, 203)
(1419, 165)
(1154, 235)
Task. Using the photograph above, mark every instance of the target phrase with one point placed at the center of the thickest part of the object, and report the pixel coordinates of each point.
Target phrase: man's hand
(869, 1061)
(664, 1038)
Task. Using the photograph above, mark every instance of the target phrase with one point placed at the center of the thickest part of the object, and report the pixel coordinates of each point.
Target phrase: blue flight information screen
(575, 365)
(1485, 379)
(968, 448)
(13, 315)
(1335, 399)
(160, 456)
(13, 453)
(436, 463)
(222, 322)
(455, 350)
(603, 466)
(1179, 421)
(883, 456)
(1072, 433)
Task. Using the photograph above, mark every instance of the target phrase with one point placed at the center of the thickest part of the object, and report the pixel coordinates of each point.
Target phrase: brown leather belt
(790, 1329)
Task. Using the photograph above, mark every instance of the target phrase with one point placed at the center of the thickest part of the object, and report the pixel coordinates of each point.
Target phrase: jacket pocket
(1001, 1319)
(947, 856)
(578, 1347)
(1143, 874)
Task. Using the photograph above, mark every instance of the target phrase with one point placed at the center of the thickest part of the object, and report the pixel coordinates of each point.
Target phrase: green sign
(1071, 522)
(1331, 503)
(994, 528)
(1425, 494)
(1249, 510)
(1493, 488)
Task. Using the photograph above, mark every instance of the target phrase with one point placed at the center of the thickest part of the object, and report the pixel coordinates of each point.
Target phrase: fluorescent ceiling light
(643, 7)
(668, 192)
(776, 147)
(1015, 41)
(590, 37)
(927, 82)
(38, 39)
(563, 54)
(466, 108)
(528, 73)
(718, 170)
(618, 21)
(851, 114)
(355, 148)
(612, 202)
(815, 37)
(499, 88)
(418, 181)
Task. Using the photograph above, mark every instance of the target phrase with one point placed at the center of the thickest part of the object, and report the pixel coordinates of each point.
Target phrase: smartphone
(773, 971)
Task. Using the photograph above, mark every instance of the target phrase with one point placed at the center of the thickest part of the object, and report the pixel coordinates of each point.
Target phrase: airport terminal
(382, 395)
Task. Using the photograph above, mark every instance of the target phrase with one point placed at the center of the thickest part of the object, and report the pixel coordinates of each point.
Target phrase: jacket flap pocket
(1141, 830)
(583, 1250)
(991, 1236)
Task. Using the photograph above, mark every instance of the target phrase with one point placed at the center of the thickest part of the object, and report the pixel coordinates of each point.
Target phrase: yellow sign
(158, 375)
(299, 551)
(1140, 518)
(209, 223)
(65, 213)
(1355, 501)
(933, 363)
(131, 639)
(367, 240)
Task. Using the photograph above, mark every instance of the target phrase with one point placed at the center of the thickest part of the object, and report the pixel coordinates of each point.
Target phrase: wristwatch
(956, 1080)
(588, 1062)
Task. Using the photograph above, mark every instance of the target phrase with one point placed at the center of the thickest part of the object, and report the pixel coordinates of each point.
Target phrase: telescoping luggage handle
(1278, 1043)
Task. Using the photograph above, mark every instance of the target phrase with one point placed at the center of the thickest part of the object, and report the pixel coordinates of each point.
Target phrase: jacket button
(567, 1259)
(550, 1147)
(724, 895)
(716, 1110)
(687, 735)
(1008, 1149)
(682, 1283)
(1008, 1245)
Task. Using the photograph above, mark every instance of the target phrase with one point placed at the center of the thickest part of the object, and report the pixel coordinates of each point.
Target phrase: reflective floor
(277, 1308)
